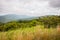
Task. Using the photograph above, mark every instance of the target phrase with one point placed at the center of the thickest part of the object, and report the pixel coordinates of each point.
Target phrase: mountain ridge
(11, 17)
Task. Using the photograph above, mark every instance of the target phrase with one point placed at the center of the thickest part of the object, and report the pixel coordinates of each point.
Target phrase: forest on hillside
(47, 21)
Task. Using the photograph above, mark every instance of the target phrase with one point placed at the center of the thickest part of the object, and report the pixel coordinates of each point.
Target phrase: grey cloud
(27, 7)
(31, 0)
(43, 0)
(55, 3)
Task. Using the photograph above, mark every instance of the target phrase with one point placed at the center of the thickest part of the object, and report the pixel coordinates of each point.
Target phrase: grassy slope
(33, 33)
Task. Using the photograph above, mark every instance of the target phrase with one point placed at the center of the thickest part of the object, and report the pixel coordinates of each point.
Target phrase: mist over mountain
(11, 17)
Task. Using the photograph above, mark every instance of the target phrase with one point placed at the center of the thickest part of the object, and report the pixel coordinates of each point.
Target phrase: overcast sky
(30, 7)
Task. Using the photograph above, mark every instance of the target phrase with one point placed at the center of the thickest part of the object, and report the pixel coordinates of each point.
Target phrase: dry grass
(31, 34)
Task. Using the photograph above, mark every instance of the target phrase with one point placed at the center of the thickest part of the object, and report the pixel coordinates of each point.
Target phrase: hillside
(47, 21)
(38, 28)
(11, 17)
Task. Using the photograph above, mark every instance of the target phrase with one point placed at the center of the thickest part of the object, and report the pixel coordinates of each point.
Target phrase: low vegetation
(42, 28)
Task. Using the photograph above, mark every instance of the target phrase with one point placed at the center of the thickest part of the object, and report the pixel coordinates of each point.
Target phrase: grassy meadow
(33, 33)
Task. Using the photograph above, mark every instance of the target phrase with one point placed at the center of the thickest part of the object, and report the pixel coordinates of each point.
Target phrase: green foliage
(50, 21)
(8, 26)
(47, 21)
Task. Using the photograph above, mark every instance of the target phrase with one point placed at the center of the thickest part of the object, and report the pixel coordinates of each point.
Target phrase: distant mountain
(11, 17)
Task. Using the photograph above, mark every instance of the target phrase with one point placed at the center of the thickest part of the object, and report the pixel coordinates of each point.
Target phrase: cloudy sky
(30, 7)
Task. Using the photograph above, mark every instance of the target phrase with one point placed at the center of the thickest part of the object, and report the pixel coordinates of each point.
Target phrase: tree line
(47, 21)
